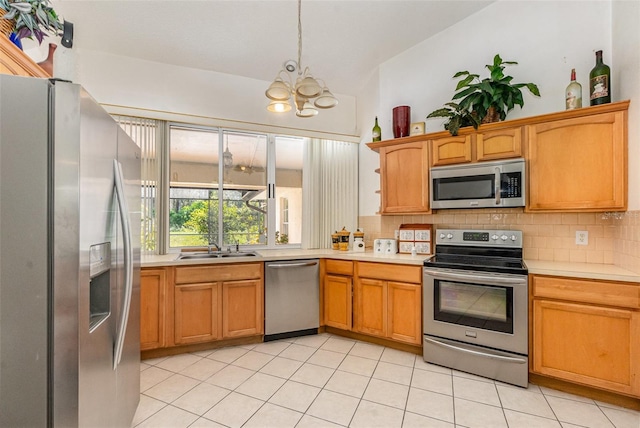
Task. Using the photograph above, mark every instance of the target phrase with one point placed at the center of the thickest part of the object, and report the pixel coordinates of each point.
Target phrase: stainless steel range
(476, 304)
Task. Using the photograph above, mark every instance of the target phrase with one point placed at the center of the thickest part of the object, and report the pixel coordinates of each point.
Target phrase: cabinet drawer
(340, 267)
(619, 294)
(213, 273)
(391, 272)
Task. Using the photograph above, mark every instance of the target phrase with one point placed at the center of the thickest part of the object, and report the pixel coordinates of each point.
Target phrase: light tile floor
(330, 381)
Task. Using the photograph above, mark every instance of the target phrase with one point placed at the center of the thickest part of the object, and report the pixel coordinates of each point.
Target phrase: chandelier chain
(299, 38)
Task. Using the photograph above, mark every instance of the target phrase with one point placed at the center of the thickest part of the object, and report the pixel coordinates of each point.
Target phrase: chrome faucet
(211, 246)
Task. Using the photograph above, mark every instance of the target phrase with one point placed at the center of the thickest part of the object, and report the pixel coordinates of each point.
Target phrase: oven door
(480, 308)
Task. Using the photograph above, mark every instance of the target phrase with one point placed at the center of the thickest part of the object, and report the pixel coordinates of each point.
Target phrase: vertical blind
(144, 133)
(330, 191)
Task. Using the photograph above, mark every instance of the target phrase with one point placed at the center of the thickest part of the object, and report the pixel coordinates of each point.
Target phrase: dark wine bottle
(600, 82)
(376, 132)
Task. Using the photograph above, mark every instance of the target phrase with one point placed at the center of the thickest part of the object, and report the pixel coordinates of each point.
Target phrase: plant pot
(493, 115)
(47, 64)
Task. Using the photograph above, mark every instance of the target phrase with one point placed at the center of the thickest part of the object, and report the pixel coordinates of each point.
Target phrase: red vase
(47, 64)
(401, 121)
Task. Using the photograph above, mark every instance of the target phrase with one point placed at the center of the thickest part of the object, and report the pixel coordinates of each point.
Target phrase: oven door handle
(477, 353)
(491, 279)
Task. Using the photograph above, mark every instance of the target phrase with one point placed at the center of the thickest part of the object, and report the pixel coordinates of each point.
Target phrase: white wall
(240, 101)
(539, 35)
(625, 70)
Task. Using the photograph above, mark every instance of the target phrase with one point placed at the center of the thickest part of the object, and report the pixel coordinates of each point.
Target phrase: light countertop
(539, 267)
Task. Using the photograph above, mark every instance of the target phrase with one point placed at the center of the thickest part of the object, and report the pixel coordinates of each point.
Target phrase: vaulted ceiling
(343, 41)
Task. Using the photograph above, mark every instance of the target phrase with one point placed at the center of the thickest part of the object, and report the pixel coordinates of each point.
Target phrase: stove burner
(485, 264)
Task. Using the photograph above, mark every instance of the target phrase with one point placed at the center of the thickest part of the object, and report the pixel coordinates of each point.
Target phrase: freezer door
(24, 252)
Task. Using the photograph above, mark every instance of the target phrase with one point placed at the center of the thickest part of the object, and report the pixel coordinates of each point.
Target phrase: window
(229, 202)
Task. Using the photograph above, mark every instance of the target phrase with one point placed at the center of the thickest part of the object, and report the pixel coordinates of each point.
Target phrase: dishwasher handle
(290, 265)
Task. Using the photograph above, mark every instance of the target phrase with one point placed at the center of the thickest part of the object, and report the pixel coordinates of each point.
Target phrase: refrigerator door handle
(128, 262)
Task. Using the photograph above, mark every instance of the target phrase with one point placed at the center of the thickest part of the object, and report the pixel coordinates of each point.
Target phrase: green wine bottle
(376, 132)
(600, 82)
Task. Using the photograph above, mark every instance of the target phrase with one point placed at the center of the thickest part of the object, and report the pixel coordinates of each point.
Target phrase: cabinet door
(153, 288)
(499, 144)
(405, 312)
(578, 164)
(242, 308)
(371, 307)
(404, 175)
(592, 345)
(338, 301)
(198, 313)
(451, 150)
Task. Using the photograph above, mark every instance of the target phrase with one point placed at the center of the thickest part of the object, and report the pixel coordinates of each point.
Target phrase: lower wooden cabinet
(153, 292)
(185, 305)
(198, 313)
(387, 306)
(404, 302)
(337, 296)
(371, 307)
(587, 332)
(242, 308)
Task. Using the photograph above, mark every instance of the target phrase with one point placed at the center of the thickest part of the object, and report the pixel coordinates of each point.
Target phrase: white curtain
(329, 191)
(144, 133)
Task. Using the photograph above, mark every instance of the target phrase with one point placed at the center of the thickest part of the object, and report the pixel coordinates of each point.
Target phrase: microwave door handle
(496, 186)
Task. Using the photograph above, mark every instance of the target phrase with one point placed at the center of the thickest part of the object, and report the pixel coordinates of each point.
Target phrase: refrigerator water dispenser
(99, 284)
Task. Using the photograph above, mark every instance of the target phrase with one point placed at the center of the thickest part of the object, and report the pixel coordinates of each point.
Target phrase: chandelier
(307, 93)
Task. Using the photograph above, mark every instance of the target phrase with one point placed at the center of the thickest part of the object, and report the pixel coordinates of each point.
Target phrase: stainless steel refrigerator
(69, 259)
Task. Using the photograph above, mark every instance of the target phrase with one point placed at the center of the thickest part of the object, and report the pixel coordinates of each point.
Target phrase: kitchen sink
(215, 255)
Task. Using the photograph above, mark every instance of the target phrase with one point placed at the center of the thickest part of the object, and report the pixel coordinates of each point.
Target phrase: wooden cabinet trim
(624, 295)
(391, 272)
(16, 62)
(339, 267)
(209, 273)
(549, 117)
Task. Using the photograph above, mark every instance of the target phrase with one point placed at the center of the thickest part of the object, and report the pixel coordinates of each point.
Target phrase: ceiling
(343, 41)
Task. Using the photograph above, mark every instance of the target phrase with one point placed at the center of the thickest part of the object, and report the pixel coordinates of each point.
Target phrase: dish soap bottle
(600, 82)
(573, 94)
(376, 132)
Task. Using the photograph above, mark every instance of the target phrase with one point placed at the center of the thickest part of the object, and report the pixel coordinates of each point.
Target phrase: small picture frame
(417, 128)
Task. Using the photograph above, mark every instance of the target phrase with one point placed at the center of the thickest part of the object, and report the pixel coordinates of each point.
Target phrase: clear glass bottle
(376, 132)
(600, 82)
(573, 93)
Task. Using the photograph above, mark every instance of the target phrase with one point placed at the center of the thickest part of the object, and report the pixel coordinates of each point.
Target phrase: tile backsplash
(613, 238)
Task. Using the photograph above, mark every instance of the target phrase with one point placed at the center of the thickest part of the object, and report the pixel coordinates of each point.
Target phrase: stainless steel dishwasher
(291, 298)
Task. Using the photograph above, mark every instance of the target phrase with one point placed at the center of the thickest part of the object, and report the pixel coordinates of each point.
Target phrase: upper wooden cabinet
(499, 144)
(477, 147)
(579, 164)
(451, 150)
(14, 61)
(404, 178)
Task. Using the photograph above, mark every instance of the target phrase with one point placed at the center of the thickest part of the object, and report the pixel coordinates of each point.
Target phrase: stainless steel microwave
(495, 184)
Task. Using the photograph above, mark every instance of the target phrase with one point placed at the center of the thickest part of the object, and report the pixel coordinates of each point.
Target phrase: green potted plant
(458, 117)
(31, 18)
(493, 97)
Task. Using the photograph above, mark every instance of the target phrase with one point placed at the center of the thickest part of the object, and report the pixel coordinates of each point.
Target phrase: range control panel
(479, 238)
